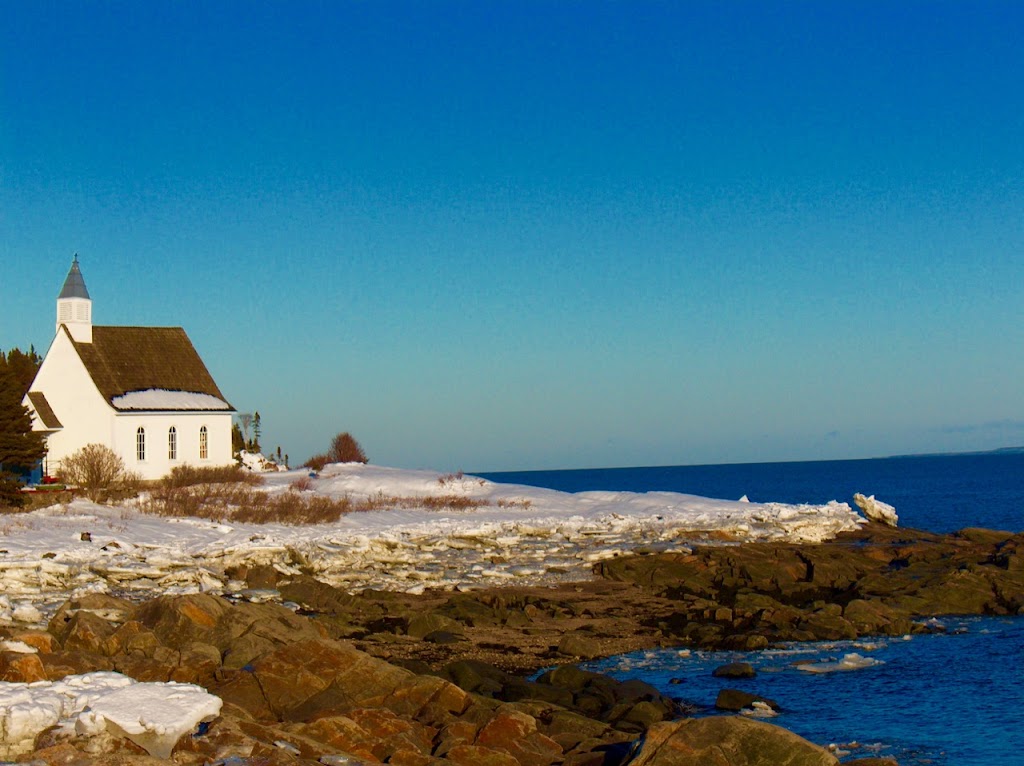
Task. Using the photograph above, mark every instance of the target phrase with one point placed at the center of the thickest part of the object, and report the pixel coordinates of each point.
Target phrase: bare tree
(245, 421)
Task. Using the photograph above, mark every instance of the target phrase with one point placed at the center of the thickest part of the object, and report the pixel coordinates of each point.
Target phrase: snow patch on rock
(152, 715)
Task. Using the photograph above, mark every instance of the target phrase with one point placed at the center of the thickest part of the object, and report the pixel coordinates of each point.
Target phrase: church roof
(44, 410)
(74, 284)
(123, 360)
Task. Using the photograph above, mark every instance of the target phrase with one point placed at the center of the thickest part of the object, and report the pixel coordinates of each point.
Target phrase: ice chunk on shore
(876, 510)
(152, 715)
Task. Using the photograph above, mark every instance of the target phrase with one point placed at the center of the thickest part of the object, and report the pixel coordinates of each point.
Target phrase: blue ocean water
(938, 493)
(949, 699)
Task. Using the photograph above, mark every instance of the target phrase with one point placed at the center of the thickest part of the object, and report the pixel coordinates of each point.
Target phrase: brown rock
(735, 670)
(579, 645)
(40, 640)
(476, 755)
(60, 664)
(727, 741)
(181, 620)
(131, 638)
(107, 608)
(21, 667)
(86, 632)
(735, 700)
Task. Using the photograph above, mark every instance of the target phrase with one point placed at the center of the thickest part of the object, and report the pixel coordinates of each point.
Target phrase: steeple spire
(74, 306)
(74, 285)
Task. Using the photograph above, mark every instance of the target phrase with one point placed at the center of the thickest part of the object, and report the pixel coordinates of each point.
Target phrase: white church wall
(82, 411)
(157, 461)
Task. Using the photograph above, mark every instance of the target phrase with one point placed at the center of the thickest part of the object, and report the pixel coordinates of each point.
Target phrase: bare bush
(301, 484)
(100, 473)
(317, 462)
(188, 475)
(241, 503)
(345, 449)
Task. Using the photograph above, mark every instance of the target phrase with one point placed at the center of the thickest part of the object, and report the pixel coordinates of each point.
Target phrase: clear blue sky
(491, 236)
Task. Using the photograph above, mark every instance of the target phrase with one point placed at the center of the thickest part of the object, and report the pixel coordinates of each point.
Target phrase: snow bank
(153, 715)
(514, 533)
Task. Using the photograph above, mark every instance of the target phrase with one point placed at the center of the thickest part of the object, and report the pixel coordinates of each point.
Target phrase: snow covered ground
(517, 534)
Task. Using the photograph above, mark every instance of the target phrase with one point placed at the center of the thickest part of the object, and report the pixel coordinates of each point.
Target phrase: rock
(578, 645)
(735, 670)
(735, 700)
(181, 620)
(732, 740)
(424, 624)
(21, 667)
(443, 637)
(876, 510)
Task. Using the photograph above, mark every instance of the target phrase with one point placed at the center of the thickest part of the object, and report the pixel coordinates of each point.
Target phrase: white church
(142, 391)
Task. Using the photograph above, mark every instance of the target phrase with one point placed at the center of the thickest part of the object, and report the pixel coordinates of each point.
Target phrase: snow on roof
(161, 399)
(152, 715)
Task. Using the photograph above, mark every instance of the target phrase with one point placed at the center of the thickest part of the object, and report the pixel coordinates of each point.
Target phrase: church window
(140, 444)
(204, 444)
(172, 443)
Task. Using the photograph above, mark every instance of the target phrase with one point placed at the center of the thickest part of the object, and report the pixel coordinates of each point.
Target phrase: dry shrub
(444, 502)
(449, 478)
(190, 475)
(317, 462)
(518, 503)
(100, 473)
(241, 503)
(301, 484)
(344, 449)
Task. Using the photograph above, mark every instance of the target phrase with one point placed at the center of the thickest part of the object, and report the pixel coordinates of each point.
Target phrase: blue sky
(490, 236)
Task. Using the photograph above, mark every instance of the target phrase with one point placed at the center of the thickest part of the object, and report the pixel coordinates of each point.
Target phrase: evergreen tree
(23, 366)
(21, 448)
(237, 440)
(255, 432)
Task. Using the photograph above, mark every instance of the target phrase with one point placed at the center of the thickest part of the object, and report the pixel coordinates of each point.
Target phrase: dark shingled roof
(125, 359)
(74, 285)
(44, 410)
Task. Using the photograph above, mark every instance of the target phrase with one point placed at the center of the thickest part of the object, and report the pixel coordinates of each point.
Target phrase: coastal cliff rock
(876, 581)
(303, 698)
(727, 741)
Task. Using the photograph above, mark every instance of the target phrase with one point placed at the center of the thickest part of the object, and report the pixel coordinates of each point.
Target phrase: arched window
(140, 444)
(172, 443)
(204, 444)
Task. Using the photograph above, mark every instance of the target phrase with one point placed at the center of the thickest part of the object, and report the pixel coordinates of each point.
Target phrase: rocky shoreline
(334, 677)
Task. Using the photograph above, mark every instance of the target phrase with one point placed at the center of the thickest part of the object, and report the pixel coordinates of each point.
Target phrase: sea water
(954, 698)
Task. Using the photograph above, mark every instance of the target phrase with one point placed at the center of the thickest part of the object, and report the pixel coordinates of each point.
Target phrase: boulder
(579, 645)
(735, 670)
(735, 700)
(424, 624)
(21, 667)
(727, 741)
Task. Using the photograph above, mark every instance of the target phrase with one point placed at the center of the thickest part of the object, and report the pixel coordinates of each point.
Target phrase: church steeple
(74, 306)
